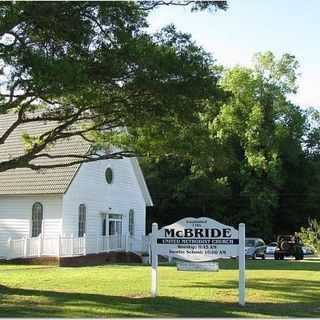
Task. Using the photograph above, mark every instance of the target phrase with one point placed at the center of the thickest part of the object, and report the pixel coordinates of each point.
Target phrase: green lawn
(275, 288)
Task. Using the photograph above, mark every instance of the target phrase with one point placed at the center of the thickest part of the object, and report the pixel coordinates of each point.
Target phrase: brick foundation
(34, 260)
(78, 261)
(100, 258)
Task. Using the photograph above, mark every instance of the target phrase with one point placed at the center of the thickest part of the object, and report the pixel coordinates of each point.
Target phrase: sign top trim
(199, 222)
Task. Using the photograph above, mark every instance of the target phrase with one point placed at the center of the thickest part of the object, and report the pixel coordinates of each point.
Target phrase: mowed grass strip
(274, 288)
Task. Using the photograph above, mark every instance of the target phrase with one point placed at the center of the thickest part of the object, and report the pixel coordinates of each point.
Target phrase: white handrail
(64, 246)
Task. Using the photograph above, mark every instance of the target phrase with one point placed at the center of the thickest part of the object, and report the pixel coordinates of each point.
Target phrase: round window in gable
(109, 175)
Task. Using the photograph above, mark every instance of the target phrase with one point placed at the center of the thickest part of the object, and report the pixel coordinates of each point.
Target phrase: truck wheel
(299, 254)
(284, 245)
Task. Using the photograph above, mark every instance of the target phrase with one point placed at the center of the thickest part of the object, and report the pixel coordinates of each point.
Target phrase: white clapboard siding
(16, 213)
(52, 227)
(89, 187)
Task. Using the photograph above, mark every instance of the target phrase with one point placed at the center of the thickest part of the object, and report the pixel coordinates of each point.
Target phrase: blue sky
(250, 26)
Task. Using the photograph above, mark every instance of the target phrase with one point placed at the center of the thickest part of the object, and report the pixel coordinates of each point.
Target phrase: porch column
(25, 248)
(107, 234)
(59, 247)
(9, 255)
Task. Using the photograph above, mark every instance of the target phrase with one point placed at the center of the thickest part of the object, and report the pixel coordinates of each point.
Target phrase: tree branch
(82, 159)
(153, 4)
(15, 124)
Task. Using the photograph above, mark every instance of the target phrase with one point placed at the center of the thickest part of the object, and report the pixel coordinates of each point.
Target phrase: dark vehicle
(287, 246)
(255, 247)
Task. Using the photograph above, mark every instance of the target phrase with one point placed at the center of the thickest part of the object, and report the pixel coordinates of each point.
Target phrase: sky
(251, 26)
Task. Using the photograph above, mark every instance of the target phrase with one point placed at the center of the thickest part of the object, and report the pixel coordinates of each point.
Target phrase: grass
(274, 288)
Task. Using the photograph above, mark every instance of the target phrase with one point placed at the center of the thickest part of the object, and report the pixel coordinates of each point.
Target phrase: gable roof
(27, 181)
(142, 182)
(47, 181)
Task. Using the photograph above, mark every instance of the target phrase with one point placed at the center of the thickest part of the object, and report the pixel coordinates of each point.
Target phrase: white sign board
(198, 239)
(198, 266)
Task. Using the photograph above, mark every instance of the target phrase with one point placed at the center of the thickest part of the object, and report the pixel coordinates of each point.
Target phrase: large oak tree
(93, 71)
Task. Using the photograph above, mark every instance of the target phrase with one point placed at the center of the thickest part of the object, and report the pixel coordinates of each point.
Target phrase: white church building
(70, 211)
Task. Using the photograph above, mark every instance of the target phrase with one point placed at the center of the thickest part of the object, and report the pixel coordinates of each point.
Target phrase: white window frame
(82, 220)
(131, 222)
(36, 219)
(116, 218)
(112, 175)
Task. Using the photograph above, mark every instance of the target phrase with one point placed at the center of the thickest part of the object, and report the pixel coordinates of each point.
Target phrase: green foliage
(279, 73)
(93, 65)
(252, 142)
(311, 235)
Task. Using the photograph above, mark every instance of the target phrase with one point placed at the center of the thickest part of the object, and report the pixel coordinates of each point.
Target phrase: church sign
(201, 239)
(198, 240)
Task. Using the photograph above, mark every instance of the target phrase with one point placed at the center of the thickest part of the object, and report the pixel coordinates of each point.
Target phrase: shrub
(311, 235)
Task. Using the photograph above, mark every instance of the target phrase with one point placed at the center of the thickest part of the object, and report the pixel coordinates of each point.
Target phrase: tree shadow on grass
(303, 265)
(306, 291)
(16, 302)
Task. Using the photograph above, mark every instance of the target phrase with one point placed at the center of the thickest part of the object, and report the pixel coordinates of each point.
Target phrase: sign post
(198, 240)
(154, 261)
(242, 264)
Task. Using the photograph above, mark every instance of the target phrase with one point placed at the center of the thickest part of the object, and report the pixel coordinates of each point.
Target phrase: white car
(271, 247)
(307, 250)
(255, 247)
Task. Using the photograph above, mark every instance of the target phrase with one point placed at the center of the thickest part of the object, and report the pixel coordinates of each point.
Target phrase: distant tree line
(251, 157)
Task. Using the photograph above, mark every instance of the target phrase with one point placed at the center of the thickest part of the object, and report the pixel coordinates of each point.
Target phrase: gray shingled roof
(27, 181)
